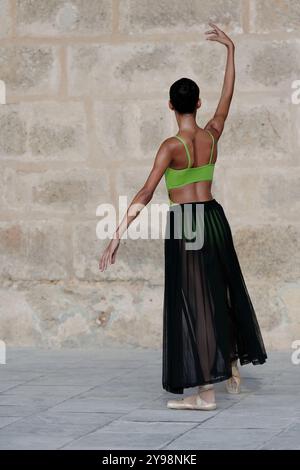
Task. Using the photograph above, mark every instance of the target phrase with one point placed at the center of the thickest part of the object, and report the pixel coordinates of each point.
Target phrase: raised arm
(221, 113)
(140, 200)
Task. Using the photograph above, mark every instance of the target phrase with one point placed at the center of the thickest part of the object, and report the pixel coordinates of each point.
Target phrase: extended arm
(221, 113)
(140, 200)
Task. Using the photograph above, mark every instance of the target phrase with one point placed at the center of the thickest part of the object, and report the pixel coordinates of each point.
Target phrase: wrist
(230, 46)
(117, 235)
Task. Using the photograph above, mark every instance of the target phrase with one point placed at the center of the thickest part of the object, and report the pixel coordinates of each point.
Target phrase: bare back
(199, 145)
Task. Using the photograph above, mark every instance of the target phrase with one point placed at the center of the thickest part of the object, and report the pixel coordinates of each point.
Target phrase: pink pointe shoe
(233, 385)
(193, 402)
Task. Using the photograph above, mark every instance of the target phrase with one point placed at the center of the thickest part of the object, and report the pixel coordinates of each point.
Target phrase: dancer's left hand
(216, 34)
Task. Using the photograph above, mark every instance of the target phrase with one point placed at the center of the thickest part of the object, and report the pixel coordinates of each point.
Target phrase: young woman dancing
(209, 322)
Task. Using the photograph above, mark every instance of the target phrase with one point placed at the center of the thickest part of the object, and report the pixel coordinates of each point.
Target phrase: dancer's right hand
(109, 255)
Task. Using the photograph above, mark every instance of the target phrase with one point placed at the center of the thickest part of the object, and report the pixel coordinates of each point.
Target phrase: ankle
(203, 388)
(207, 395)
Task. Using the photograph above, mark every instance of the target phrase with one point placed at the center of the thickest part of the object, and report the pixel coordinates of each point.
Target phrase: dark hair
(184, 94)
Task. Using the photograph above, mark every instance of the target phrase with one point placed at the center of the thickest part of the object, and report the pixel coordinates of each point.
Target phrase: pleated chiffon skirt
(208, 316)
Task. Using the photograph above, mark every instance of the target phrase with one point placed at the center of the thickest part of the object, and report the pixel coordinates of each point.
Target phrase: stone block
(114, 70)
(269, 252)
(13, 132)
(267, 64)
(29, 69)
(33, 250)
(280, 315)
(257, 134)
(134, 312)
(169, 16)
(5, 19)
(295, 117)
(42, 131)
(60, 17)
(289, 294)
(263, 195)
(19, 324)
(266, 302)
(269, 16)
(58, 190)
(70, 315)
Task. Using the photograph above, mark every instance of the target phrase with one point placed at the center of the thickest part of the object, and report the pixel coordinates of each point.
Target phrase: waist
(207, 202)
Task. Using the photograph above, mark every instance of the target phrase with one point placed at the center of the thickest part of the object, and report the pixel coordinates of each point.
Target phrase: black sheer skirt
(208, 317)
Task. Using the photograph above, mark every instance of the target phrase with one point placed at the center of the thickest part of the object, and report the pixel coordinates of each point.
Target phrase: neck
(186, 122)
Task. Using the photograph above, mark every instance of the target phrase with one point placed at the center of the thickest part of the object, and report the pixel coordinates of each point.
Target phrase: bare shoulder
(170, 141)
(163, 156)
(168, 145)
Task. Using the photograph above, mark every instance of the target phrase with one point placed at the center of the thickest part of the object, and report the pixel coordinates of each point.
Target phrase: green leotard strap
(186, 149)
(212, 147)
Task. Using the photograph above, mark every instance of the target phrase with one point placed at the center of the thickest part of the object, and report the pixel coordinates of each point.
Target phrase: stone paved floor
(113, 399)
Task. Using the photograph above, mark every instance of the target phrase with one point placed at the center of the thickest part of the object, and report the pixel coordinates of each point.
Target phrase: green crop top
(178, 178)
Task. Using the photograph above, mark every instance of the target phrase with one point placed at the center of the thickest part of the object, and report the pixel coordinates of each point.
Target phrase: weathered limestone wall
(87, 88)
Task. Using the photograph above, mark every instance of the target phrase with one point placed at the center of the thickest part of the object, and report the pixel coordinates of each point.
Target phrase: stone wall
(87, 88)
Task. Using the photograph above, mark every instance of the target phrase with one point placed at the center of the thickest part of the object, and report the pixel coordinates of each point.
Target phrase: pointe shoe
(198, 405)
(233, 384)
(193, 402)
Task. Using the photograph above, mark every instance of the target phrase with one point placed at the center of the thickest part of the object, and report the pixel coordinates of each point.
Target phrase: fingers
(212, 34)
(212, 37)
(213, 25)
(106, 259)
(103, 262)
